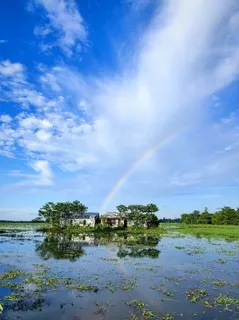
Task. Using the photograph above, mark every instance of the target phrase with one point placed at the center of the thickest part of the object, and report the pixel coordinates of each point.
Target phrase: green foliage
(140, 215)
(122, 209)
(61, 213)
(225, 216)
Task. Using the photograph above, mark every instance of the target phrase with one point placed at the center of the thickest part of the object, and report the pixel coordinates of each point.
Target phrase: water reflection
(59, 246)
(71, 247)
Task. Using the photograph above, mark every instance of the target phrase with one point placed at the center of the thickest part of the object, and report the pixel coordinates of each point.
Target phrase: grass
(227, 231)
(6, 227)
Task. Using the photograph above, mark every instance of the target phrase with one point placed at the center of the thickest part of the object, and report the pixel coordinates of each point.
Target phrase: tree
(151, 220)
(61, 213)
(152, 208)
(141, 215)
(185, 218)
(226, 215)
(122, 210)
(205, 218)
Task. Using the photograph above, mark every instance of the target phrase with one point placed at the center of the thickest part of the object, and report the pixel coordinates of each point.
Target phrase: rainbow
(135, 164)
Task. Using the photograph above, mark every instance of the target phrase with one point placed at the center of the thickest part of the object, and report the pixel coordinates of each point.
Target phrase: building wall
(80, 222)
(112, 222)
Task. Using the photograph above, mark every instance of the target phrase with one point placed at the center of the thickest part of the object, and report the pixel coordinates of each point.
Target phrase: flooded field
(173, 276)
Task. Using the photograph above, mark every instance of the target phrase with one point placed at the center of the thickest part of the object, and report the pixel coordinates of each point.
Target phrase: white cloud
(10, 69)
(43, 177)
(15, 87)
(42, 166)
(103, 125)
(64, 23)
(5, 118)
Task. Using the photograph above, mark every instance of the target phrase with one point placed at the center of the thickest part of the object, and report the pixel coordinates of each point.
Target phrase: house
(113, 220)
(88, 219)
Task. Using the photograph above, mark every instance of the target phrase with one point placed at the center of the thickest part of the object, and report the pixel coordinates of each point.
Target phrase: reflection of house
(88, 219)
(113, 219)
(84, 240)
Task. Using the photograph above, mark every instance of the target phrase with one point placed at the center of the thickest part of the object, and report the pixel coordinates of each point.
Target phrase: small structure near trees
(113, 220)
(88, 219)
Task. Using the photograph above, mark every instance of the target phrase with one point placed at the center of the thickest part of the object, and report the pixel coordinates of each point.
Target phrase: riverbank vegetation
(223, 216)
(225, 231)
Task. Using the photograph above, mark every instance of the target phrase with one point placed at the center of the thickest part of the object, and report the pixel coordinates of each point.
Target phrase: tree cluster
(140, 214)
(60, 212)
(225, 215)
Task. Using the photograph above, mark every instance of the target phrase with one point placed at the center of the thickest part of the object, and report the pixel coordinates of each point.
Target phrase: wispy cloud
(102, 125)
(3, 41)
(43, 177)
(64, 27)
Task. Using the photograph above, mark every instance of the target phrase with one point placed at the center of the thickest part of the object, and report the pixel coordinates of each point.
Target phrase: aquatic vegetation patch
(12, 274)
(81, 287)
(166, 293)
(128, 285)
(222, 261)
(147, 314)
(111, 287)
(226, 301)
(196, 295)
(219, 283)
(167, 317)
(137, 303)
(14, 297)
(48, 282)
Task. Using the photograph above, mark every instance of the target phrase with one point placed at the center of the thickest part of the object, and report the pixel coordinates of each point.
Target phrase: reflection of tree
(136, 246)
(138, 252)
(59, 246)
(128, 239)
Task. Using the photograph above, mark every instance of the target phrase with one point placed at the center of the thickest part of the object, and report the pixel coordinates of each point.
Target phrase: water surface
(118, 277)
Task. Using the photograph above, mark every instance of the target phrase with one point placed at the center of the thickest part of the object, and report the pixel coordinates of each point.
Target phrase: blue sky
(87, 88)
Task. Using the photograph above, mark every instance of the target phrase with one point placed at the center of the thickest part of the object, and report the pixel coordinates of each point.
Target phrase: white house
(89, 219)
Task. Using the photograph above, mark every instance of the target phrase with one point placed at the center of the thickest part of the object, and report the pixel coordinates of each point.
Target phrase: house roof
(112, 215)
(86, 215)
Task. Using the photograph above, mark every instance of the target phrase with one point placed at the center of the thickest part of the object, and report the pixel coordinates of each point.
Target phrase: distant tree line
(170, 220)
(140, 214)
(225, 215)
